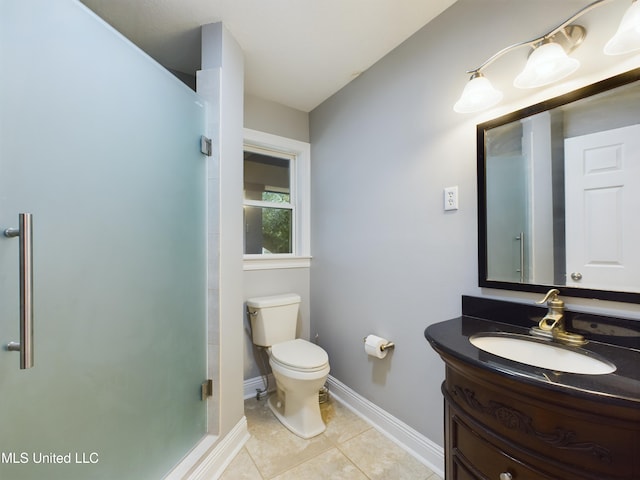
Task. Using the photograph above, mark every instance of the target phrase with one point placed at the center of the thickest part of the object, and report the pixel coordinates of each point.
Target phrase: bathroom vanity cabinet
(500, 429)
(509, 421)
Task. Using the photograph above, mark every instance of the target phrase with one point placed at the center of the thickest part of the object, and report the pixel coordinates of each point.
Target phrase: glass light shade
(478, 94)
(627, 38)
(547, 64)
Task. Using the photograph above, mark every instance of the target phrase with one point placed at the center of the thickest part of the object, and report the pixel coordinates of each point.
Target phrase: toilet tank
(273, 319)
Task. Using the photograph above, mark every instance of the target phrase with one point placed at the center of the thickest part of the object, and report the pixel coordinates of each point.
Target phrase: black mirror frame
(590, 90)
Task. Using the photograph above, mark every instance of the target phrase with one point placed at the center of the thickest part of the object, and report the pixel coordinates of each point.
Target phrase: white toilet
(300, 368)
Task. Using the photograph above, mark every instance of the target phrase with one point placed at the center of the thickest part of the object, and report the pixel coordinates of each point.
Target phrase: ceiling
(297, 52)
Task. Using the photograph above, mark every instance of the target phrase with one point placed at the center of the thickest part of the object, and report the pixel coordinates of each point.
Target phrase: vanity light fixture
(478, 94)
(627, 38)
(549, 61)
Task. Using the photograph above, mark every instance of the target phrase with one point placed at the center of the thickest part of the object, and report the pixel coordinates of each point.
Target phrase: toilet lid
(299, 354)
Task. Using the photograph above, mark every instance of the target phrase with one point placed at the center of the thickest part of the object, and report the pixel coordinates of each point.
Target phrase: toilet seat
(299, 355)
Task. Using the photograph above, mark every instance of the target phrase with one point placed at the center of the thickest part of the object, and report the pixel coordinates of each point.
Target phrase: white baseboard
(413, 442)
(257, 383)
(208, 460)
(424, 450)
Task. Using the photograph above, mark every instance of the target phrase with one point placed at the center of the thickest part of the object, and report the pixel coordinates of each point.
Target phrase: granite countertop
(451, 337)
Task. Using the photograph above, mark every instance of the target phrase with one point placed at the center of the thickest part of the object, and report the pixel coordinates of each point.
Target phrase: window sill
(271, 262)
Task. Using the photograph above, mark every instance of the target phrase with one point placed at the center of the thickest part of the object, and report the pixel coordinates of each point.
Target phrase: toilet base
(304, 419)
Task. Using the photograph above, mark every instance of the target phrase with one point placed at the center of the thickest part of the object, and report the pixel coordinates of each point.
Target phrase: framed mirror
(559, 194)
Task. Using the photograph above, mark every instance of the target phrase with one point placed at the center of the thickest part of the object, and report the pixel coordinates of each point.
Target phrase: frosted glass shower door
(506, 218)
(102, 147)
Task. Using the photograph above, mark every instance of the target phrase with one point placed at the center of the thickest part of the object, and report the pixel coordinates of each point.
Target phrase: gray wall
(596, 115)
(386, 258)
(271, 117)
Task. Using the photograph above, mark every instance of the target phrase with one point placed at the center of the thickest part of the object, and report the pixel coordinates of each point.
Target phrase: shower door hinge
(205, 146)
(207, 389)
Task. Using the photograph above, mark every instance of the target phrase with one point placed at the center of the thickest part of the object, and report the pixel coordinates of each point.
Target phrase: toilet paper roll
(372, 346)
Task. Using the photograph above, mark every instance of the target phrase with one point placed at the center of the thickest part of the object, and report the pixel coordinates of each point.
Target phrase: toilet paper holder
(386, 346)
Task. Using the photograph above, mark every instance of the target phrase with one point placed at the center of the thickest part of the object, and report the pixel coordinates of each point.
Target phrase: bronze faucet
(552, 324)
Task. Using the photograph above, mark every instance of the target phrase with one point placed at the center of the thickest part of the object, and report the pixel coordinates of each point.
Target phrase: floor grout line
(253, 461)
(349, 458)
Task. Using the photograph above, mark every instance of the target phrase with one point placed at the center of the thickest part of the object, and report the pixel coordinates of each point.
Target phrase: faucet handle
(551, 296)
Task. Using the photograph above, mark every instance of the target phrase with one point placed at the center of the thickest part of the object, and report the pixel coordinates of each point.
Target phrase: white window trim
(302, 224)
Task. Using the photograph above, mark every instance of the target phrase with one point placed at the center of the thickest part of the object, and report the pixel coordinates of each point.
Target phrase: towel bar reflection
(23, 232)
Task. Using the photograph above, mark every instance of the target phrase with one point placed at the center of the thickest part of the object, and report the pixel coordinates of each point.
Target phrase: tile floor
(349, 449)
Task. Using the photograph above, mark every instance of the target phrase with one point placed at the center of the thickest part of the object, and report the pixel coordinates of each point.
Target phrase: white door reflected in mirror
(602, 200)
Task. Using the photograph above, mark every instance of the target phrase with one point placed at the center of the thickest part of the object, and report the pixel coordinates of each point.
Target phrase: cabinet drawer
(480, 458)
(461, 471)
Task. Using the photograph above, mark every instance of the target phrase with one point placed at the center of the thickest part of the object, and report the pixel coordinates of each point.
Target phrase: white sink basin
(541, 353)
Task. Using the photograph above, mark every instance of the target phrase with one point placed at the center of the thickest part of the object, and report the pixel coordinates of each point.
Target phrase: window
(276, 207)
(269, 212)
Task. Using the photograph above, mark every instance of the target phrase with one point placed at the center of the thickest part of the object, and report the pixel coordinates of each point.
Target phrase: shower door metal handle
(520, 238)
(25, 347)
